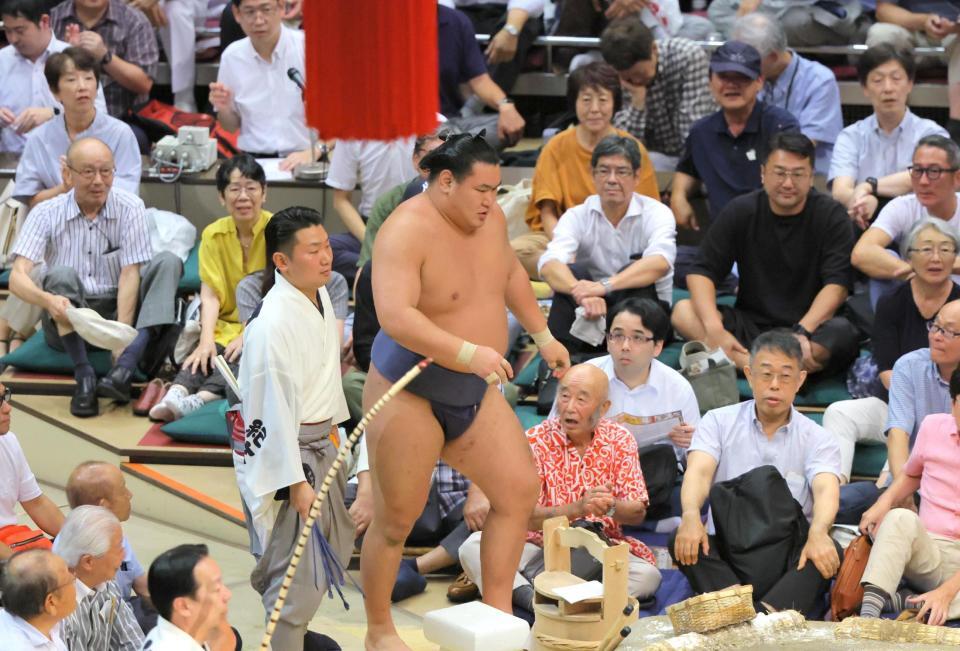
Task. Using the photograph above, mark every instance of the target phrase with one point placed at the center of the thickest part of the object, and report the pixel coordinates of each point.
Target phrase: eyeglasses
(619, 338)
(5, 396)
(767, 377)
(250, 13)
(620, 172)
(237, 190)
(933, 172)
(796, 176)
(89, 173)
(945, 251)
(935, 328)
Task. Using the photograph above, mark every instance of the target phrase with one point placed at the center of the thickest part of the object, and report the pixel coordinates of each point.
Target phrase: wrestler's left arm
(523, 304)
(819, 547)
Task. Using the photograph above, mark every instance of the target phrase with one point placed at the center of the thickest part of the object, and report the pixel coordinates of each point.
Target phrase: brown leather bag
(847, 593)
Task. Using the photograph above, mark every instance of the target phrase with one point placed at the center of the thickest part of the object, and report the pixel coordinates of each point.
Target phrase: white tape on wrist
(465, 356)
(542, 338)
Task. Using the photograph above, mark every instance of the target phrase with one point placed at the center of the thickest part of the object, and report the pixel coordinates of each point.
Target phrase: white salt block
(475, 626)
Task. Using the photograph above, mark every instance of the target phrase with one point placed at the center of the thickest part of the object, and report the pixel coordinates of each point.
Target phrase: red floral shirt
(564, 475)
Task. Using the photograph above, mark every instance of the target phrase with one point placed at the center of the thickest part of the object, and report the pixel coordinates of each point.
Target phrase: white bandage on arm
(542, 338)
(465, 356)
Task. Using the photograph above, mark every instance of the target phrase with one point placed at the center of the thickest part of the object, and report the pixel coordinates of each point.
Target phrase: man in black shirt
(792, 248)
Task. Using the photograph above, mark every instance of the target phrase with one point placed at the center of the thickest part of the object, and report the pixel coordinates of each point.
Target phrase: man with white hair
(38, 592)
(806, 89)
(91, 542)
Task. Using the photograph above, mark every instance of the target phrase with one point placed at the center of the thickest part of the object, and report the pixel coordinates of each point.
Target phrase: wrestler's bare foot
(385, 639)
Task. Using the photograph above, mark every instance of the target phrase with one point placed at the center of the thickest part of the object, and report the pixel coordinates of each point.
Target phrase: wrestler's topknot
(458, 153)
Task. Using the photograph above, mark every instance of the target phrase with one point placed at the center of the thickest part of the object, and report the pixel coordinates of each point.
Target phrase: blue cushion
(722, 299)
(670, 355)
(528, 374)
(5, 278)
(528, 416)
(190, 281)
(206, 425)
(868, 460)
(36, 356)
(673, 589)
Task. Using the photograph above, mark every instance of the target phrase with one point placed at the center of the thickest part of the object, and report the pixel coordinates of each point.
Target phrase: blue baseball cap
(734, 56)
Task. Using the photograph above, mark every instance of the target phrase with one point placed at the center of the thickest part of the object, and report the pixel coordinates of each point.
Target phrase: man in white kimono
(291, 403)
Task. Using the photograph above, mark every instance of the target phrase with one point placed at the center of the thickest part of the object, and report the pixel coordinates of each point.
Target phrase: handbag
(12, 213)
(711, 374)
(19, 538)
(658, 463)
(513, 200)
(846, 595)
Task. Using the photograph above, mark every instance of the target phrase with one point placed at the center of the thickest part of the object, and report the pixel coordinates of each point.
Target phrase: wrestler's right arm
(400, 252)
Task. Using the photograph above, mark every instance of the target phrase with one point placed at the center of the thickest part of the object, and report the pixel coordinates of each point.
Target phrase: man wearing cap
(724, 149)
(95, 243)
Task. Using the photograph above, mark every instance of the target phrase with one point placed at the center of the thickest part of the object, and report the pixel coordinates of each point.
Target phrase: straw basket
(712, 610)
(887, 630)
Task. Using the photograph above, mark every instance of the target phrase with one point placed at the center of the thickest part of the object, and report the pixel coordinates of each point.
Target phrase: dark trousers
(490, 19)
(346, 253)
(800, 590)
(212, 380)
(563, 311)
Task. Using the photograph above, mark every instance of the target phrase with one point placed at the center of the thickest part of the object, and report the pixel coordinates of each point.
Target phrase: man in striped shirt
(95, 243)
(91, 542)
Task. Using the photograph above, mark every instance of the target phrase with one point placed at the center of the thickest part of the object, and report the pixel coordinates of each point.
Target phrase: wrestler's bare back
(462, 276)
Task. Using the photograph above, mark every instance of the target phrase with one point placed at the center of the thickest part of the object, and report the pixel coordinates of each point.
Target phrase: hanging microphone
(297, 78)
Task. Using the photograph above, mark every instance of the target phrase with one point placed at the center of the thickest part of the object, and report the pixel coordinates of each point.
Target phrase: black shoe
(116, 384)
(314, 641)
(84, 402)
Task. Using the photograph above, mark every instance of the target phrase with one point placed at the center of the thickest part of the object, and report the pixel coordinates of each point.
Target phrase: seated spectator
(563, 176)
(38, 593)
(97, 483)
(91, 543)
(375, 166)
(724, 150)
(643, 389)
(934, 177)
(94, 241)
(513, 25)
(663, 18)
(461, 63)
(25, 98)
(906, 24)
(871, 156)
(918, 388)
(799, 278)
(806, 89)
(589, 469)
(387, 202)
(668, 84)
(192, 600)
(918, 548)
(253, 94)
(230, 248)
(73, 77)
(807, 22)
(615, 245)
(178, 22)
(122, 42)
(19, 486)
(737, 439)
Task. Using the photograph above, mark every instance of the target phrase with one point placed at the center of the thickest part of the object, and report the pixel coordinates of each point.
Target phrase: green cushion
(723, 299)
(818, 392)
(5, 278)
(528, 416)
(35, 355)
(528, 375)
(868, 460)
(190, 281)
(670, 355)
(206, 425)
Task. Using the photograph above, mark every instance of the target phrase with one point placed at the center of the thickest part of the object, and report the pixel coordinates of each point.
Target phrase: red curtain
(371, 67)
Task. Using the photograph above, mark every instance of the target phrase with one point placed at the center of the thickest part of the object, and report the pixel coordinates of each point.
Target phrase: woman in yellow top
(230, 248)
(562, 178)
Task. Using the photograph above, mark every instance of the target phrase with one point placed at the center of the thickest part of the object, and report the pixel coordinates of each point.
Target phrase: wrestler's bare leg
(403, 443)
(495, 455)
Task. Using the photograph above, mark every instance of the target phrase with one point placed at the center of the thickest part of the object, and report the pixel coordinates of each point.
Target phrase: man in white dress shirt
(38, 593)
(253, 92)
(25, 98)
(291, 403)
(192, 600)
(624, 245)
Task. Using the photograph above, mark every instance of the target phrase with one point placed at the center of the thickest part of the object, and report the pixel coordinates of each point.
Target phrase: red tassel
(371, 68)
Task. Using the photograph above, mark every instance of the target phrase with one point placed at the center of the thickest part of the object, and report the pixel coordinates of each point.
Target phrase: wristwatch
(872, 182)
(800, 330)
(511, 30)
(607, 285)
(107, 58)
